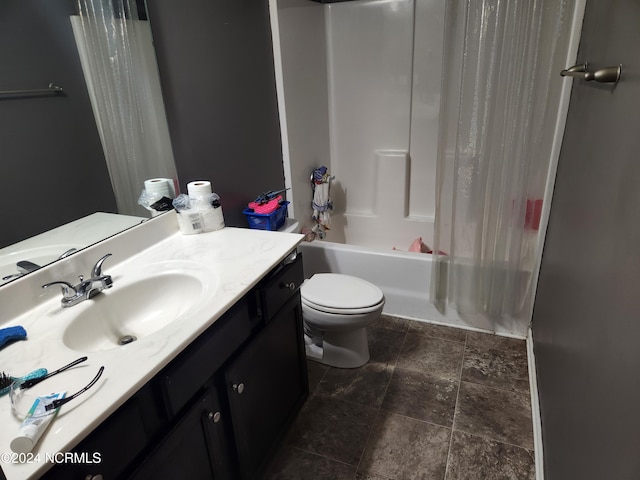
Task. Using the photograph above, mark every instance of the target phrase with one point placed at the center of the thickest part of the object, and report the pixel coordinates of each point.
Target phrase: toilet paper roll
(199, 188)
(159, 186)
(212, 219)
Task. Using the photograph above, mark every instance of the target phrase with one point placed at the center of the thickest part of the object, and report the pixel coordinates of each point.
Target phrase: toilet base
(341, 349)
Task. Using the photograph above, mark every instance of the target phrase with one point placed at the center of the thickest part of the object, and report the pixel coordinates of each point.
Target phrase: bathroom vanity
(209, 395)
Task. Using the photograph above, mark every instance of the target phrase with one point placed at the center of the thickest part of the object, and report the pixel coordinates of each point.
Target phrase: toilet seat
(340, 293)
(342, 311)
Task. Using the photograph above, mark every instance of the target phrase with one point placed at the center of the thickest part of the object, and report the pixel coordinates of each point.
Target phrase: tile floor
(432, 403)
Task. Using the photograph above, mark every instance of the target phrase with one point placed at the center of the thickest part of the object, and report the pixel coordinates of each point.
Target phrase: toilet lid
(339, 291)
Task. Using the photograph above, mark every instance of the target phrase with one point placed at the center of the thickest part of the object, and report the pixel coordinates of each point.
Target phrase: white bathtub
(404, 277)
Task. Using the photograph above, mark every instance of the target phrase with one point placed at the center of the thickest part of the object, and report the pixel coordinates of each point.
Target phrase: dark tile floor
(433, 402)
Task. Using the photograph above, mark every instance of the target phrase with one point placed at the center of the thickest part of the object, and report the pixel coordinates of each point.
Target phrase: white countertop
(231, 261)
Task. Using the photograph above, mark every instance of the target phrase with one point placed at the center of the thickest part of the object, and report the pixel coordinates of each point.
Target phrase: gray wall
(586, 323)
(52, 165)
(216, 65)
(218, 82)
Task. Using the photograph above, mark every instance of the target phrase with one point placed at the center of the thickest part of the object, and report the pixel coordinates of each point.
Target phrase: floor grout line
(366, 443)
(455, 411)
(526, 394)
(502, 442)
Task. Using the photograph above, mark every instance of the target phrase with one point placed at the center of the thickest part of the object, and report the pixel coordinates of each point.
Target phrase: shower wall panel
(361, 85)
(425, 106)
(302, 45)
(384, 65)
(369, 65)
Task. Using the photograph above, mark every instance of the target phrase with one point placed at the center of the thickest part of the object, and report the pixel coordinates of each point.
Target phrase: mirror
(28, 255)
(54, 175)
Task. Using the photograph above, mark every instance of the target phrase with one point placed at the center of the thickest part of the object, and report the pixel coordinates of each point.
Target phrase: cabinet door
(195, 448)
(106, 442)
(183, 378)
(266, 385)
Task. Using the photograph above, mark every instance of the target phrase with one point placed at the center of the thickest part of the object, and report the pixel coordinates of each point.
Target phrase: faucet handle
(67, 253)
(97, 268)
(68, 290)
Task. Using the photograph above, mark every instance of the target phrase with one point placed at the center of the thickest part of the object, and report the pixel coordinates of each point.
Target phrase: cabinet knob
(238, 387)
(291, 286)
(215, 417)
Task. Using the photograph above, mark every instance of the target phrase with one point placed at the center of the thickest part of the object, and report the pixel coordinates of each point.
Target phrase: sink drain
(127, 339)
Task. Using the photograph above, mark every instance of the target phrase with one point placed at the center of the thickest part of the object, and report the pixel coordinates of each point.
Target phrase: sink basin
(129, 312)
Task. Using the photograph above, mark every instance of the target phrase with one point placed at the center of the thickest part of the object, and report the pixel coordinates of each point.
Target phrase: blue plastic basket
(267, 221)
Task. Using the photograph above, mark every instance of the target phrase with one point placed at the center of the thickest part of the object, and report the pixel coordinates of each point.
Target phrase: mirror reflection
(86, 149)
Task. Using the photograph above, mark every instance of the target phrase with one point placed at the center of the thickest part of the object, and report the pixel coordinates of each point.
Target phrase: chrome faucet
(85, 289)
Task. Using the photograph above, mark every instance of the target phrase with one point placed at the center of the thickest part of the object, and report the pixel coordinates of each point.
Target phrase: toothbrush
(7, 380)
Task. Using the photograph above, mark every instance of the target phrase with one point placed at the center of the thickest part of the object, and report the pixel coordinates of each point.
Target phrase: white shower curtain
(498, 112)
(121, 73)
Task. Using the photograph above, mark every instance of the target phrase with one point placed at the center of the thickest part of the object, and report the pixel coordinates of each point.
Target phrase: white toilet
(336, 310)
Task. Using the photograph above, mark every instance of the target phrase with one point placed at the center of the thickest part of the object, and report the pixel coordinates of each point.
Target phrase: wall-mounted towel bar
(51, 89)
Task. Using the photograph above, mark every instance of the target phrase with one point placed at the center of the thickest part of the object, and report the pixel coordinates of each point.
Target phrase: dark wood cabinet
(266, 381)
(221, 408)
(196, 447)
(266, 385)
(117, 442)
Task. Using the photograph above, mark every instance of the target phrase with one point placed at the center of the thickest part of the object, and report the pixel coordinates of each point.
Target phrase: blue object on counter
(267, 221)
(10, 334)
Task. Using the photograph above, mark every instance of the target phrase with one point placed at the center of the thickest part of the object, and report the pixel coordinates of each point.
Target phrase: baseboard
(535, 409)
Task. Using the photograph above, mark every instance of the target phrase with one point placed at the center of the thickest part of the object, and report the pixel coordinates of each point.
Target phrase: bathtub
(404, 277)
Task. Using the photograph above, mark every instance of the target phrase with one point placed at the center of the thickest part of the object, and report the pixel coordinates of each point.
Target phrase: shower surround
(359, 90)
(362, 99)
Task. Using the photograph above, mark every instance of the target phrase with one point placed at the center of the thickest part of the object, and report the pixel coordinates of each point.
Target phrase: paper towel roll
(199, 188)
